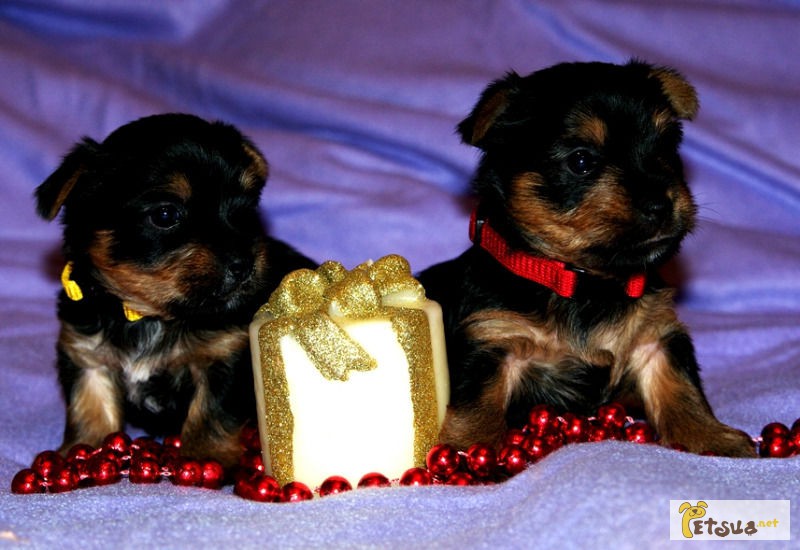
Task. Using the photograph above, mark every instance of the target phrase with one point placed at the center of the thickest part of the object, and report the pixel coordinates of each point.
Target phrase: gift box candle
(351, 372)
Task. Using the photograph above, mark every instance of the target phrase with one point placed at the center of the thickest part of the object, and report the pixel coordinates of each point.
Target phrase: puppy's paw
(731, 442)
(718, 439)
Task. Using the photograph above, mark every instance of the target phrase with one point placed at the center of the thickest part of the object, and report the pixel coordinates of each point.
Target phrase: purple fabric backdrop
(355, 104)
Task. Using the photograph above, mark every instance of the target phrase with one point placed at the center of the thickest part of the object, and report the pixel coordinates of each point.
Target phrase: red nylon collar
(555, 275)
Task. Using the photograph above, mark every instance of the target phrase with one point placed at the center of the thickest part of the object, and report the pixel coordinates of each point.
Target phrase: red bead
(481, 460)
(774, 429)
(103, 471)
(67, 479)
(575, 428)
(170, 460)
(188, 473)
(513, 459)
(514, 436)
(252, 461)
(173, 441)
(461, 479)
(639, 432)
(776, 447)
(294, 491)
(612, 415)
(144, 470)
(119, 442)
(334, 485)
(794, 435)
(213, 474)
(373, 479)
(79, 451)
(601, 432)
(47, 463)
(442, 460)
(543, 420)
(258, 487)
(27, 482)
(250, 438)
(536, 447)
(416, 477)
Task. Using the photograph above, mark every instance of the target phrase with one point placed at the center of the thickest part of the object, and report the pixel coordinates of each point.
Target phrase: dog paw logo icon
(689, 513)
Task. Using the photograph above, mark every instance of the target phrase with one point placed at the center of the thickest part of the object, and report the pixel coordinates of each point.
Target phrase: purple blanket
(355, 104)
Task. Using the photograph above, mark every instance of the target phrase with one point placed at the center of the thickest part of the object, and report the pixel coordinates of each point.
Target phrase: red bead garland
(144, 460)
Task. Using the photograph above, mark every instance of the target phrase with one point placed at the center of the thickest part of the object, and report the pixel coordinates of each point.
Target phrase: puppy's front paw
(716, 438)
(731, 442)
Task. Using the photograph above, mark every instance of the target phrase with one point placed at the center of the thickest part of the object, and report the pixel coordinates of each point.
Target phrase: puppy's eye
(165, 216)
(582, 162)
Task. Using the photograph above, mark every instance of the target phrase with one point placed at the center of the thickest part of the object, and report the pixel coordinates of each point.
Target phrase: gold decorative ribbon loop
(310, 300)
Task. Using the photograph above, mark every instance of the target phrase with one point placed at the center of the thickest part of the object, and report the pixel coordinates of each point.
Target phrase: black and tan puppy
(581, 196)
(166, 262)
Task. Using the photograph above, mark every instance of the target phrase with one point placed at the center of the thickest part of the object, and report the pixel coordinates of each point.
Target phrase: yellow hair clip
(72, 289)
(130, 313)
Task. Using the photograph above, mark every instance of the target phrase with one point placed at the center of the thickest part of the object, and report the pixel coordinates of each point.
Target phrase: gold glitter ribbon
(306, 306)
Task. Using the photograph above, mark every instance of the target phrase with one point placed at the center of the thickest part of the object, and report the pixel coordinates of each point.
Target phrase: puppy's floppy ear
(477, 127)
(53, 192)
(681, 95)
(258, 171)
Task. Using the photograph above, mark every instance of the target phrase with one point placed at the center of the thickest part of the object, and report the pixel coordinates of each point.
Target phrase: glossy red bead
(514, 436)
(67, 479)
(334, 485)
(442, 460)
(188, 473)
(213, 474)
(79, 451)
(259, 487)
(481, 460)
(295, 491)
(27, 482)
(250, 438)
(373, 479)
(252, 461)
(774, 429)
(575, 428)
(46, 463)
(414, 477)
(776, 447)
(639, 432)
(103, 471)
(612, 416)
(173, 441)
(536, 447)
(119, 442)
(460, 479)
(512, 459)
(543, 420)
(144, 470)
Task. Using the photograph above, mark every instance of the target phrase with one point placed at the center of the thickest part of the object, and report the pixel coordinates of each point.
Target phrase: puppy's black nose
(239, 268)
(657, 208)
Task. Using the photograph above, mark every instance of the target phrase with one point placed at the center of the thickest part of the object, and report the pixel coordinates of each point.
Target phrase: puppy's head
(580, 162)
(164, 215)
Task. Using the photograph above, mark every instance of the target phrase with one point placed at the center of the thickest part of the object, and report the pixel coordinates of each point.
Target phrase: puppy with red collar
(581, 197)
(166, 263)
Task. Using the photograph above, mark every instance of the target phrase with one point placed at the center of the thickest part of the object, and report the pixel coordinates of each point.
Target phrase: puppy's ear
(477, 127)
(257, 173)
(53, 192)
(681, 95)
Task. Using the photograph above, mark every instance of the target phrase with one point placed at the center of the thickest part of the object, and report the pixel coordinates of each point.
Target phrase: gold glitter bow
(307, 303)
(306, 306)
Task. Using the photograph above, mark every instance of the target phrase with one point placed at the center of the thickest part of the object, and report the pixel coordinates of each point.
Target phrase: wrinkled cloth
(354, 105)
